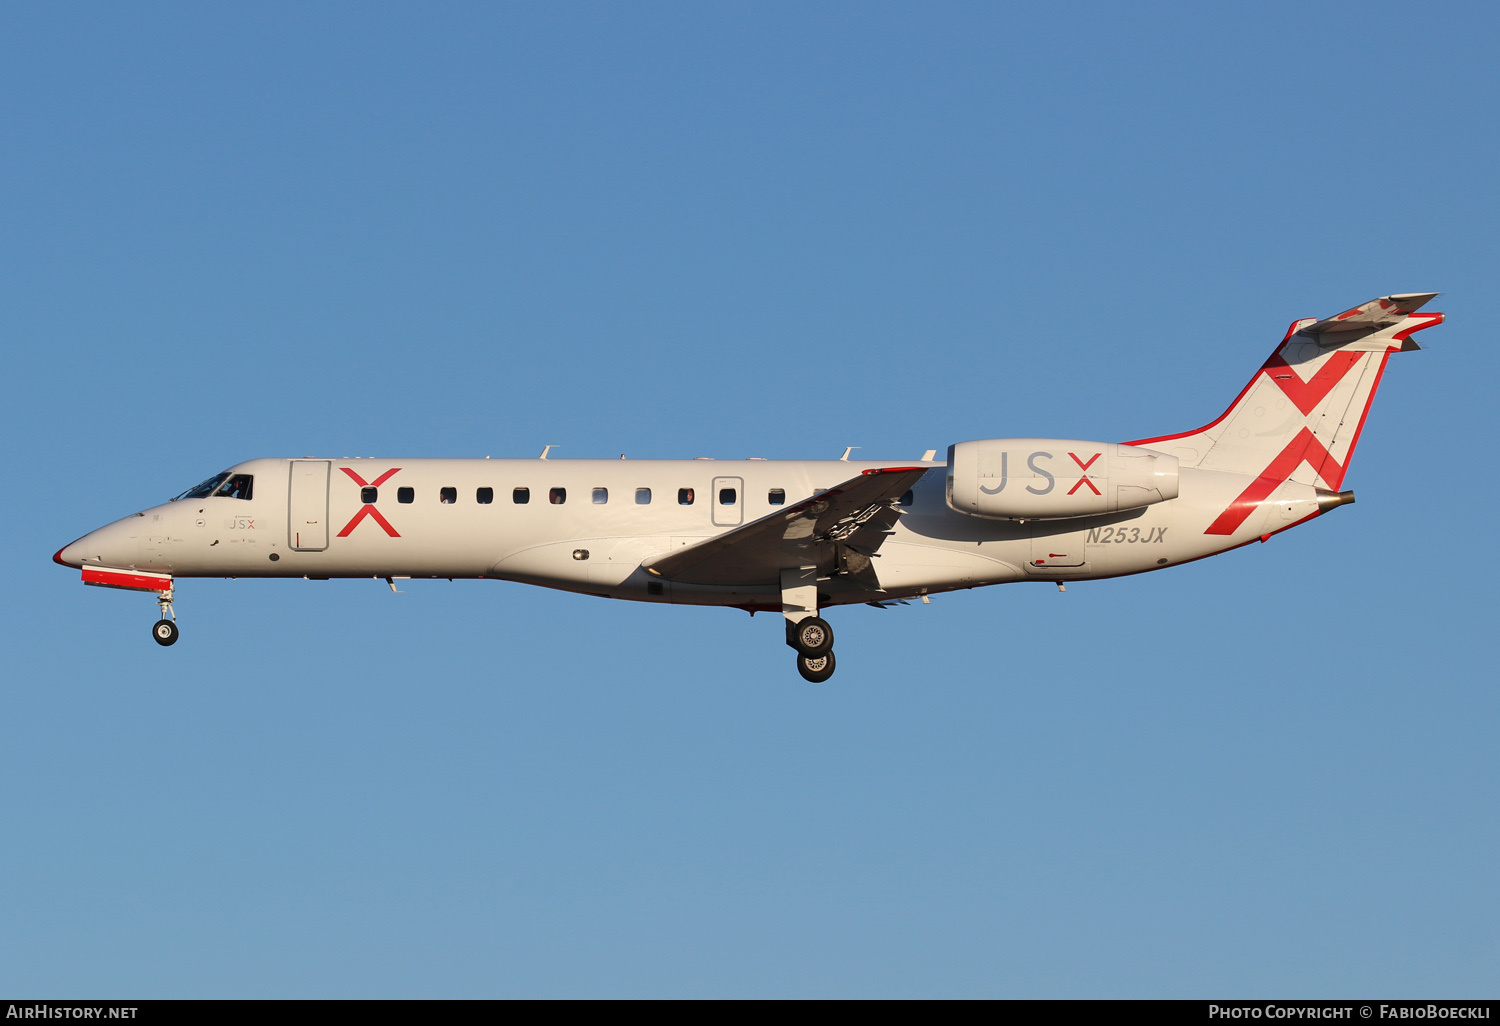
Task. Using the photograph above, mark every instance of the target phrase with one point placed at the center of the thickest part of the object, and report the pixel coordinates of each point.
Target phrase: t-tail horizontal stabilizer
(1368, 318)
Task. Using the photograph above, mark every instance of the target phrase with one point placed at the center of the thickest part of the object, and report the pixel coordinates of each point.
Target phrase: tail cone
(1332, 500)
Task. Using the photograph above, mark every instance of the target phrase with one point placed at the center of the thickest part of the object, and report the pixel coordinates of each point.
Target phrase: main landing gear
(806, 631)
(165, 629)
(812, 637)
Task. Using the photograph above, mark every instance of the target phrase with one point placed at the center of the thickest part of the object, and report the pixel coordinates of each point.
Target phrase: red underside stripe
(125, 579)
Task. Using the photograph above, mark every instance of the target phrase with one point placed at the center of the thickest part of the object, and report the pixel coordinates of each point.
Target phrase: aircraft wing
(837, 529)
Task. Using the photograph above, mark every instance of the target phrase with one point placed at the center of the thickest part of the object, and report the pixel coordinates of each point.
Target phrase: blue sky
(776, 230)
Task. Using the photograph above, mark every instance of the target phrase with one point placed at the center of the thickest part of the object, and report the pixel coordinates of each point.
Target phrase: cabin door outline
(728, 514)
(307, 506)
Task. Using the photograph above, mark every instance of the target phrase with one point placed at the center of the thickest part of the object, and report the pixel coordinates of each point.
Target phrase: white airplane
(792, 536)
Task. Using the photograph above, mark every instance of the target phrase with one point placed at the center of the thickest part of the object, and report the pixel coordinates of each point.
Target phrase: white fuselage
(618, 514)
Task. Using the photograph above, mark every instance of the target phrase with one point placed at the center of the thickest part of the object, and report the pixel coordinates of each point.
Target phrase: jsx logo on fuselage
(1083, 466)
(368, 510)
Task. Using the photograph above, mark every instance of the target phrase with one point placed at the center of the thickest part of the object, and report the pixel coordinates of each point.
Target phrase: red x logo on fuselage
(1084, 480)
(368, 510)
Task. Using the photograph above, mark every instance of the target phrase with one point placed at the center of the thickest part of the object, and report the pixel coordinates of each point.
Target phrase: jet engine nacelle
(1052, 478)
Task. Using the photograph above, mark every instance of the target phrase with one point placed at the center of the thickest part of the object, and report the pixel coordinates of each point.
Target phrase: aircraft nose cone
(69, 555)
(114, 544)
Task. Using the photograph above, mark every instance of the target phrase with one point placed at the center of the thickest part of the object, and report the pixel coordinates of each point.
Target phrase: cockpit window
(228, 485)
(238, 486)
(205, 489)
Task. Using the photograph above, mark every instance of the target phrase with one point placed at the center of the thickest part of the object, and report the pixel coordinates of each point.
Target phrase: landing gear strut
(806, 631)
(165, 629)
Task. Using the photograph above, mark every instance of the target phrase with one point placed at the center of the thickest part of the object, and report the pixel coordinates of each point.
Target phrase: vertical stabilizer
(1300, 416)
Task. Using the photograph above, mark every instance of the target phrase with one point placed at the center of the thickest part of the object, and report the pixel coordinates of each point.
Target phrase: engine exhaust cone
(1331, 500)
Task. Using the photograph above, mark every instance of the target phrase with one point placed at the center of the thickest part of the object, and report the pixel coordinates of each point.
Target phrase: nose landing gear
(165, 629)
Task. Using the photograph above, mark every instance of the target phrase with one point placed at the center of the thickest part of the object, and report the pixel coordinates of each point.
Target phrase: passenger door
(307, 506)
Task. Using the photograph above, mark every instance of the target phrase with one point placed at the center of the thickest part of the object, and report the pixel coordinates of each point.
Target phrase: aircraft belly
(607, 562)
(903, 566)
(406, 556)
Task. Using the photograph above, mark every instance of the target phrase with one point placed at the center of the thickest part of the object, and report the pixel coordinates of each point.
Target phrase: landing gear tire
(811, 637)
(815, 669)
(164, 631)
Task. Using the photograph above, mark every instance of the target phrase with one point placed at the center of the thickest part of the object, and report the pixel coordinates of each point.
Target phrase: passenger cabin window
(405, 494)
(684, 496)
(521, 496)
(728, 497)
(643, 496)
(448, 496)
(601, 496)
(484, 496)
(776, 496)
(557, 496)
(368, 495)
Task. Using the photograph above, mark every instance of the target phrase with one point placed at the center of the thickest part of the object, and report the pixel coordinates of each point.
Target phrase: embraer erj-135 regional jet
(792, 536)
